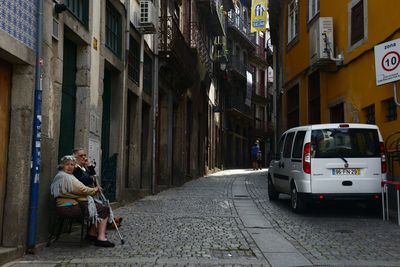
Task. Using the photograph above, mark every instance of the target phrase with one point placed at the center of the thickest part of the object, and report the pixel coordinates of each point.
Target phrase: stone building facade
(141, 108)
(85, 94)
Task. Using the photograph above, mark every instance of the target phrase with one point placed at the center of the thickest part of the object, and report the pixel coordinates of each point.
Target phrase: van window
(280, 145)
(350, 143)
(298, 145)
(288, 145)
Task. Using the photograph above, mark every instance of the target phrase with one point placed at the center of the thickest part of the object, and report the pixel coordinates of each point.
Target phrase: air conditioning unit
(148, 17)
(135, 19)
(321, 41)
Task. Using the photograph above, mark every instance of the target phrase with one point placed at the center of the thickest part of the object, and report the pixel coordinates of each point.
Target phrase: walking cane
(103, 198)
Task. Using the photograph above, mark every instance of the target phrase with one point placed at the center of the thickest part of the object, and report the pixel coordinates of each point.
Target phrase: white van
(328, 161)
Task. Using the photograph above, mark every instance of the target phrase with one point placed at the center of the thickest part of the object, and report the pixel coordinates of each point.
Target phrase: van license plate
(345, 171)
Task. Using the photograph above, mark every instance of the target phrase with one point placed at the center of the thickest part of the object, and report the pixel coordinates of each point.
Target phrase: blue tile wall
(18, 19)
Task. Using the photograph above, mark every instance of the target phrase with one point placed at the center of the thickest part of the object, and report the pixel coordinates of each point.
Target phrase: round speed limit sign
(387, 62)
(390, 61)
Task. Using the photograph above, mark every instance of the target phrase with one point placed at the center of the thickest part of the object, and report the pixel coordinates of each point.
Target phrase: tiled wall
(18, 19)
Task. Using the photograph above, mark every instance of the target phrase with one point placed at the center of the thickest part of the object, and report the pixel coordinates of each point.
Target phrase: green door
(109, 162)
(67, 122)
(105, 130)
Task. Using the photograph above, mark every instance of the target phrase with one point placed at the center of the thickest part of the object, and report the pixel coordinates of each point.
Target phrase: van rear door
(345, 160)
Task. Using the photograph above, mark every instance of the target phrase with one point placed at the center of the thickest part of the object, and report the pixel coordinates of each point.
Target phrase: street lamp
(59, 8)
(222, 63)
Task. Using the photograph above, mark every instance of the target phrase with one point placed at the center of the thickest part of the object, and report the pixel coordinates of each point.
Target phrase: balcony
(259, 55)
(213, 12)
(259, 93)
(197, 42)
(236, 106)
(260, 125)
(236, 65)
(175, 51)
(240, 29)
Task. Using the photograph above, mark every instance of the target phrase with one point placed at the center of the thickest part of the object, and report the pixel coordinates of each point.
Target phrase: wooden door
(5, 84)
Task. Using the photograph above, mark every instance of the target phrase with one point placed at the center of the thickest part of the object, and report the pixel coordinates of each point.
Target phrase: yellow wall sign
(259, 15)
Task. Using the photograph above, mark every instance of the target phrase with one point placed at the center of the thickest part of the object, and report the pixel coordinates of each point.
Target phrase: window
(369, 113)
(288, 145)
(113, 29)
(293, 19)
(298, 145)
(259, 117)
(346, 142)
(313, 9)
(147, 75)
(337, 113)
(280, 144)
(357, 20)
(390, 109)
(134, 60)
(79, 8)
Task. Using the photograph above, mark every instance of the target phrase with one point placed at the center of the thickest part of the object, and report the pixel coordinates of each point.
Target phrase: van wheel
(272, 193)
(297, 202)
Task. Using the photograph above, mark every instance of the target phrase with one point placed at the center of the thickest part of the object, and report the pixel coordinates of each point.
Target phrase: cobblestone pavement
(336, 234)
(192, 225)
(198, 225)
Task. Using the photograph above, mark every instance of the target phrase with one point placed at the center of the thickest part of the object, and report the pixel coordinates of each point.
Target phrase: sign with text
(249, 78)
(387, 62)
(258, 15)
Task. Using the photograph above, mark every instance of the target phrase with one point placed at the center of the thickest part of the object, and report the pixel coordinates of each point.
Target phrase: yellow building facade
(322, 91)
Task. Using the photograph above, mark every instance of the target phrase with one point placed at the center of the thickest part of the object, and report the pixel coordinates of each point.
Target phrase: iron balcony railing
(260, 124)
(214, 14)
(236, 103)
(197, 42)
(235, 64)
(259, 89)
(172, 42)
(260, 49)
(235, 21)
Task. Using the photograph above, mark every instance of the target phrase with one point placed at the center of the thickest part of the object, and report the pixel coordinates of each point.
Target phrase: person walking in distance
(259, 159)
(254, 151)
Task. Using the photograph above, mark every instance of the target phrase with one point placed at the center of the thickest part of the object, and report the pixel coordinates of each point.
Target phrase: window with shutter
(113, 30)
(313, 9)
(293, 20)
(369, 113)
(357, 22)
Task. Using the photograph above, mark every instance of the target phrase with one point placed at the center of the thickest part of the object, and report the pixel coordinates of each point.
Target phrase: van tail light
(307, 158)
(383, 158)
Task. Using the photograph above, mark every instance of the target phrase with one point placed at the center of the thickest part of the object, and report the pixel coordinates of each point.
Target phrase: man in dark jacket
(84, 170)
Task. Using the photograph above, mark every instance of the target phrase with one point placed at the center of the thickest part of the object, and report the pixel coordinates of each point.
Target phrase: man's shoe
(90, 238)
(105, 243)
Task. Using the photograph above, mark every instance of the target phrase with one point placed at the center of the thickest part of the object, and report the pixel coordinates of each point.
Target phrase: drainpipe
(155, 103)
(36, 135)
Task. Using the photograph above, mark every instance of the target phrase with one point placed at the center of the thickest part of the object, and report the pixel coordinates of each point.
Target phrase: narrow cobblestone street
(226, 219)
